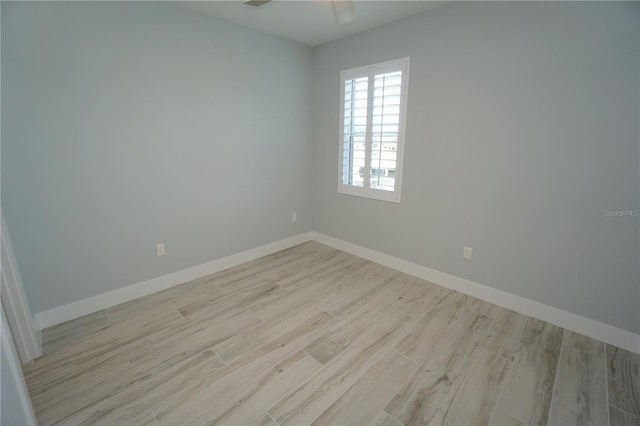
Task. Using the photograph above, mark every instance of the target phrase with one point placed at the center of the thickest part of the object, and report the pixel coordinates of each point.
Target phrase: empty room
(320, 212)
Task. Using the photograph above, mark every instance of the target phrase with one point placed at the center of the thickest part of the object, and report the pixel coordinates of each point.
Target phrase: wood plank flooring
(312, 335)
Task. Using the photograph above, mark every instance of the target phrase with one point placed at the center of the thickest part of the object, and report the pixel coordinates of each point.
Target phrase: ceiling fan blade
(256, 3)
(345, 11)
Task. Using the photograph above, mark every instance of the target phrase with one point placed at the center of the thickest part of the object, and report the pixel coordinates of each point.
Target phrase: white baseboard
(594, 329)
(106, 300)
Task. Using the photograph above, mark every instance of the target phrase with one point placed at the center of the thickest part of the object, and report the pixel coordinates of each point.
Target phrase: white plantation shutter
(386, 122)
(372, 128)
(355, 130)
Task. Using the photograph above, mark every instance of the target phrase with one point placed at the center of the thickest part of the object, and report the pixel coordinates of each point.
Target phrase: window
(372, 116)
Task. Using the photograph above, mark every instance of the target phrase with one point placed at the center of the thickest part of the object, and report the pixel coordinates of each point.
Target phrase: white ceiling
(311, 22)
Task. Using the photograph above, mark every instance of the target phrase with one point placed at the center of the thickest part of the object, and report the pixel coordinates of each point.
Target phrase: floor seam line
(555, 377)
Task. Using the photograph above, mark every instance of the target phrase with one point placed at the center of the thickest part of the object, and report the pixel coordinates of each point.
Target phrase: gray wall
(126, 124)
(522, 129)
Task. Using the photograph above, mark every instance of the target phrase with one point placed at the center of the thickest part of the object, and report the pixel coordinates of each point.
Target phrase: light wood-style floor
(312, 335)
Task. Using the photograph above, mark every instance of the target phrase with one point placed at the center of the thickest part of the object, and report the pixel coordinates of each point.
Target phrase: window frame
(370, 71)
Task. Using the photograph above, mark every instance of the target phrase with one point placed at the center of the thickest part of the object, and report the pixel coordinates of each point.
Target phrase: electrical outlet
(466, 253)
(294, 217)
(160, 249)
